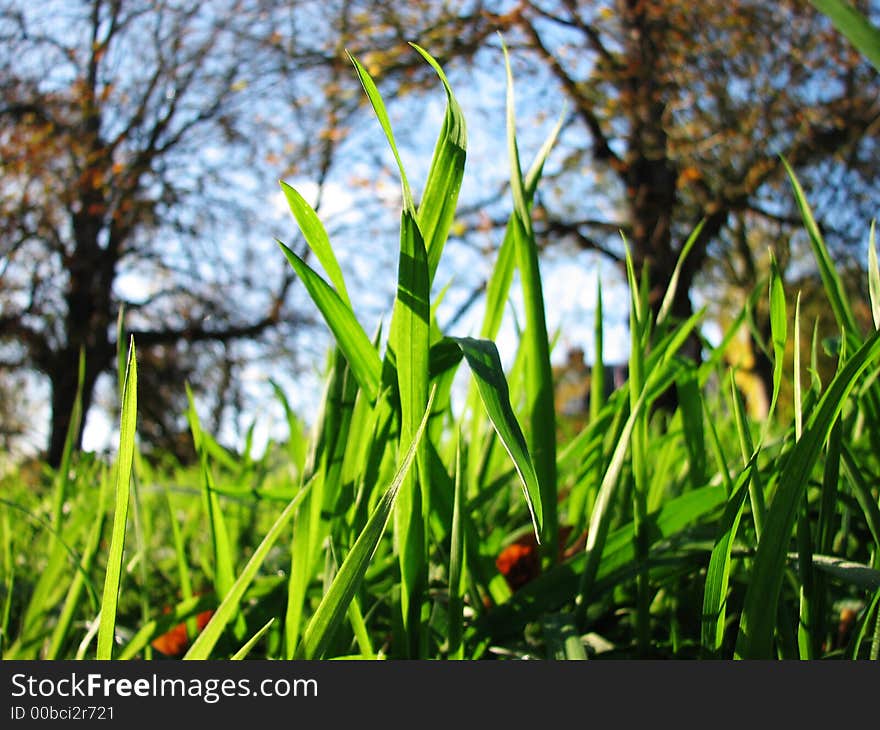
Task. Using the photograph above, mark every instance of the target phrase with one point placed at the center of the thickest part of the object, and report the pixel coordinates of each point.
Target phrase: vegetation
(413, 523)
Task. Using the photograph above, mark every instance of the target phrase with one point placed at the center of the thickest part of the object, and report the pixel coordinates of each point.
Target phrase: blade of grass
(718, 572)
(350, 336)
(229, 607)
(336, 599)
(437, 206)
(833, 286)
(541, 412)
(246, 649)
(874, 278)
(125, 458)
(74, 593)
(457, 576)
(316, 237)
(485, 365)
(855, 26)
(760, 609)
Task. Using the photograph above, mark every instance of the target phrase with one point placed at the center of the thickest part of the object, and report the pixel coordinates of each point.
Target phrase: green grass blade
(833, 286)
(778, 334)
(350, 336)
(669, 297)
(856, 574)
(718, 573)
(855, 26)
(541, 412)
(437, 206)
(485, 365)
(229, 607)
(597, 377)
(409, 341)
(759, 612)
(457, 561)
(874, 278)
(72, 601)
(113, 576)
(335, 602)
(317, 239)
(221, 546)
(251, 643)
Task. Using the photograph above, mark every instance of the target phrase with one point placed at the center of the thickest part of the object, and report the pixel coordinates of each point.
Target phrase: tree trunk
(63, 382)
(88, 322)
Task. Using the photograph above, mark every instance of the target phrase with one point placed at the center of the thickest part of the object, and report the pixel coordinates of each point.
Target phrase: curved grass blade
(113, 576)
(541, 407)
(874, 278)
(856, 574)
(718, 572)
(855, 26)
(317, 239)
(246, 649)
(485, 364)
(440, 197)
(229, 606)
(759, 612)
(336, 600)
(669, 297)
(833, 286)
(350, 336)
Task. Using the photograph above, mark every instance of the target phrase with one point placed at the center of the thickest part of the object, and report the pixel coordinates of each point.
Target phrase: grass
(695, 532)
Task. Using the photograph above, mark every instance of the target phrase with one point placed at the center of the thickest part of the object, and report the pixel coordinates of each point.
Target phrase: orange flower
(174, 642)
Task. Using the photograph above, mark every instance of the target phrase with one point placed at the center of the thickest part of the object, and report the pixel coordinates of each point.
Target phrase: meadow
(403, 524)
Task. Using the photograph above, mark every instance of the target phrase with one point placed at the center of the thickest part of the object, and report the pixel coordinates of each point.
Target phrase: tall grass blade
(874, 278)
(229, 607)
(350, 336)
(252, 642)
(125, 458)
(855, 26)
(718, 573)
(437, 207)
(830, 279)
(485, 365)
(335, 602)
(316, 237)
(538, 371)
(759, 612)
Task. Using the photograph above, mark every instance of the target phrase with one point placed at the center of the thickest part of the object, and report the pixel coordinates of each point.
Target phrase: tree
(125, 128)
(679, 112)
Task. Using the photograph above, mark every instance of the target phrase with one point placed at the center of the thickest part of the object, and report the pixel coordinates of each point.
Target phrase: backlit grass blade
(409, 341)
(335, 602)
(485, 364)
(830, 279)
(457, 561)
(669, 297)
(855, 26)
(350, 336)
(440, 197)
(541, 411)
(78, 584)
(221, 546)
(778, 333)
(874, 278)
(229, 607)
(316, 237)
(759, 612)
(251, 643)
(718, 572)
(113, 576)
